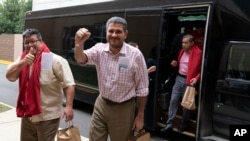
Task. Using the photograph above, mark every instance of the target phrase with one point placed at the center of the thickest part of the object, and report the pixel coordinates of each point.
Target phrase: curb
(5, 62)
(6, 105)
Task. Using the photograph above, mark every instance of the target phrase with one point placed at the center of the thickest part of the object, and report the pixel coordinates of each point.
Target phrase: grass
(4, 107)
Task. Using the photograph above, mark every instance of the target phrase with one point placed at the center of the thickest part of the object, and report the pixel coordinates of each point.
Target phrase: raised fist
(82, 35)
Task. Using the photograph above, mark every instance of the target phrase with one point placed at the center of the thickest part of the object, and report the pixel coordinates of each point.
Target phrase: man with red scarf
(189, 66)
(43, 78)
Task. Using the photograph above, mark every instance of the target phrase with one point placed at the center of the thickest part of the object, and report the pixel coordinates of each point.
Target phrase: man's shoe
(182, 129)
(167, 129)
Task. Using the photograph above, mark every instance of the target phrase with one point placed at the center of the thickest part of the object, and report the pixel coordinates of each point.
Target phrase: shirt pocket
(125, 76)
(46, 76)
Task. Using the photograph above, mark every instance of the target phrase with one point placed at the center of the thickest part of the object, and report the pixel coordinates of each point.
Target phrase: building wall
(10, 46)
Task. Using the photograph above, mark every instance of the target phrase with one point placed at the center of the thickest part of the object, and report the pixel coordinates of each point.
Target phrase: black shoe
(182, 129)
(167, 129)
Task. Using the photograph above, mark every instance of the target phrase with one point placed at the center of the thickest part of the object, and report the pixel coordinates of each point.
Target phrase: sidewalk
(10, 125)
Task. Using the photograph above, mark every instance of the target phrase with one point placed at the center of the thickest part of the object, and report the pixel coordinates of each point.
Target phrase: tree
(12, 13)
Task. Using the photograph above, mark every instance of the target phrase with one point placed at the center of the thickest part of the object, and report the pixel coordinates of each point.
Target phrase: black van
(224, 89)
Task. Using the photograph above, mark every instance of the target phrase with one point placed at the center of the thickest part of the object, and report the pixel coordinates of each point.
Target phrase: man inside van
(176, 44)
(188, 66)
(122, 75)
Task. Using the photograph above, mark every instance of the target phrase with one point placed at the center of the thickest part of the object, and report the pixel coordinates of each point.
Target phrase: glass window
(238, 65)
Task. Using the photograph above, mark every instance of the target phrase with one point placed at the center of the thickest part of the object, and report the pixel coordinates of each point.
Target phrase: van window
(238, 66)
(231, 104)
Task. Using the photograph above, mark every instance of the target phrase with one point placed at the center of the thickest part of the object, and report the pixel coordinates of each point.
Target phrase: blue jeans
(177, 94)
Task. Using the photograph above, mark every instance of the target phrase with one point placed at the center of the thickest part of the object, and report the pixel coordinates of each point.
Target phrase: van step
(188, 133)
(213, 138)
(176, 123)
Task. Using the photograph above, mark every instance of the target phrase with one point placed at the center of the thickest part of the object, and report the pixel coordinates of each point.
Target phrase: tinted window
(233, 86)
(238, 66)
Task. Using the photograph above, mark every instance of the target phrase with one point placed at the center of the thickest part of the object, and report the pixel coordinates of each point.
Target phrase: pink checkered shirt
(119, 82)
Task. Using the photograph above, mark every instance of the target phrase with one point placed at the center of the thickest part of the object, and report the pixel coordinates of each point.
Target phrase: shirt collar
(122, 51)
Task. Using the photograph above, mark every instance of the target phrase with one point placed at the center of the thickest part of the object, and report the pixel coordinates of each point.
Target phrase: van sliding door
(143, 28)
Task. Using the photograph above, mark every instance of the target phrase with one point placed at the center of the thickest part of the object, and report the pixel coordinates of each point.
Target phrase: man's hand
(29, 58)
(81, 36)
(174, 63)
(68, 113)
(152, 69)
(138, 124)
(193, 81)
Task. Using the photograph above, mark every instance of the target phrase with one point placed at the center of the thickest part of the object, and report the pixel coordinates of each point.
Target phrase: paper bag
(141, 136)
(70, 133)
(188, 100)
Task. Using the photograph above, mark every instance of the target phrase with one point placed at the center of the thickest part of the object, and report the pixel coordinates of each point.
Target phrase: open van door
(176, 20)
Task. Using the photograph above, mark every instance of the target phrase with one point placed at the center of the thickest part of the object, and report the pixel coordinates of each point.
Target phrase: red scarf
(28, 103)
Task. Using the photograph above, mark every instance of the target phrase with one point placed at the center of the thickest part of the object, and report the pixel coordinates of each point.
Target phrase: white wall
(49, 4)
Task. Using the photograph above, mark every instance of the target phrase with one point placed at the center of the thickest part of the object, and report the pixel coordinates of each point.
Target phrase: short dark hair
(118, 20)
(31, 31)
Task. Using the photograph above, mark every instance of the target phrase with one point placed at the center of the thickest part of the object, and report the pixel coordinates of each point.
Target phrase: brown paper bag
(141, 136)
(188, 100)
(70, 133)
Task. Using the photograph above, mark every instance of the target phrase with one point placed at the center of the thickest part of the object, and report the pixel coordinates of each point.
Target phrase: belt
(113, 102)
(181, 75)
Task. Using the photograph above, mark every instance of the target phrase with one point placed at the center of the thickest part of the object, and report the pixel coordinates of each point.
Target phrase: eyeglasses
(31, 42)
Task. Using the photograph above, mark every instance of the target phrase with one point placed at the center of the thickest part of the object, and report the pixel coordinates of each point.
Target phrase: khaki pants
(39, 131)
(113, 119)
